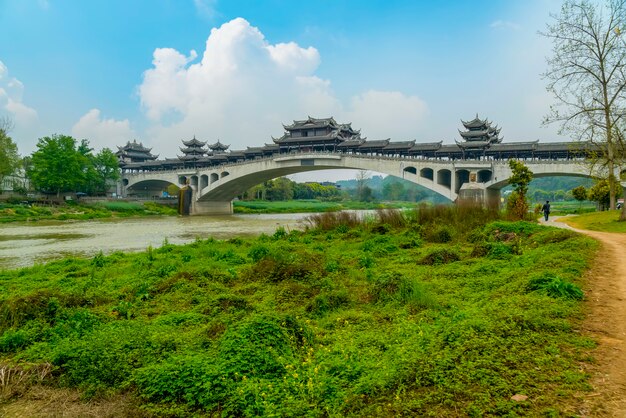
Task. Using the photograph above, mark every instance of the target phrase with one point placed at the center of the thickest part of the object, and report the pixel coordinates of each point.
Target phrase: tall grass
(461, 218)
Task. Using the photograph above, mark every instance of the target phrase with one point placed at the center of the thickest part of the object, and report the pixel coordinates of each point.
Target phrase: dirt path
(606, 324)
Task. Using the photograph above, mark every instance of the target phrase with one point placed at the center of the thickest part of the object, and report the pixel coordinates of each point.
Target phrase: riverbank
(313, 205)
(445, 313)
(76, 211)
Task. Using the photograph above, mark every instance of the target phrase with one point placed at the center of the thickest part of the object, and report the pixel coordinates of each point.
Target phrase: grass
(111, 209)
(311, 205)
(606, 221)
(446, 312)
(571, 207)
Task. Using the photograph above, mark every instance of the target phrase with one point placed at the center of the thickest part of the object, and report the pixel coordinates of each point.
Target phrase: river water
(25, 244)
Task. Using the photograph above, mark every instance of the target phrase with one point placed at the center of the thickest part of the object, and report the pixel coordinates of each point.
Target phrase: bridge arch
(497, 185)
(427, 173)
(244, 176)
(484, 176)
(444, 177)
(204, 181)
(148, 188)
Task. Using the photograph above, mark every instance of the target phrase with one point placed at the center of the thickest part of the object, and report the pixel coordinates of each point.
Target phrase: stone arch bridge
(214, 188)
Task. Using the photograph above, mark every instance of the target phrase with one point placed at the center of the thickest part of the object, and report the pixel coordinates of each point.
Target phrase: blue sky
(165, 70)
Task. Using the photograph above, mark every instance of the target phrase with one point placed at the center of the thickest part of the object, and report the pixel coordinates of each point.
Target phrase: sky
(162, 71)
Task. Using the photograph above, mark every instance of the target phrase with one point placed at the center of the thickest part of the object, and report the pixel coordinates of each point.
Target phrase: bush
(555, 287)
(439, 234)
(280, 266)
(328, 302)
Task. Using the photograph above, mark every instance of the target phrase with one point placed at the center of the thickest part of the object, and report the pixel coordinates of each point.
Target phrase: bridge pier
(212, 208)
(492, 198)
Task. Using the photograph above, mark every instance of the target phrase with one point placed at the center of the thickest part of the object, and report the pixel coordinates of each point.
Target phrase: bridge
(215, 186)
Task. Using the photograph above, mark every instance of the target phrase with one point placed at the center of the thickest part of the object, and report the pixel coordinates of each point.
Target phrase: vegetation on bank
(312, 205)
(113, 209)
(606, 221)
(434, 312)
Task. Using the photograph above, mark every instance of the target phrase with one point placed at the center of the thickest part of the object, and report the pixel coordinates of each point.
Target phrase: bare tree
(587, 76)
(6, 124)
(362, 176)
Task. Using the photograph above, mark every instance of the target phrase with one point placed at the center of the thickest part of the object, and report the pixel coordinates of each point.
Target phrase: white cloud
(504, 24)
(384, 114)
(102, 132)
(24, 117)
(243, 87)
(206, 8)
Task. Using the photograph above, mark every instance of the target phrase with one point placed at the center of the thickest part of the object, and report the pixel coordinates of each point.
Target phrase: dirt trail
(606, 324)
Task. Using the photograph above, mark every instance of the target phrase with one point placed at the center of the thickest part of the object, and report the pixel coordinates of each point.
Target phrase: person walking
(546, 210)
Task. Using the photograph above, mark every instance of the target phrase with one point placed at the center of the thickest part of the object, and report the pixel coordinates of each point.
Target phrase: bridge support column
(212, 208)
(492, 198)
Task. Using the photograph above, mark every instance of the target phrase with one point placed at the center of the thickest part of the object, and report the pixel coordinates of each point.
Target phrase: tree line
(60, 164)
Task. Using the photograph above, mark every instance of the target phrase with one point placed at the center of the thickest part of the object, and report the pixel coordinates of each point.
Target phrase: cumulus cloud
(11, 104)
(243, 87)
(504, 24)
(384, 114)
(102, 132)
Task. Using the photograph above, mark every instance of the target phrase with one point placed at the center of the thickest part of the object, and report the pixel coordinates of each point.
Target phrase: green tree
(521, 176)
(587, 76)
(58, 165)
(580, 193)
(9, 158)
(106, 169)
(600, 193)
(393, 190)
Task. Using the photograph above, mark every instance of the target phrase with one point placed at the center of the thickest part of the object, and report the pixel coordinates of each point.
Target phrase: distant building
(16, 181)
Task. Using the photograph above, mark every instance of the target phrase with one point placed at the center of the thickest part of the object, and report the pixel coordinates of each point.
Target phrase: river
(25, 244)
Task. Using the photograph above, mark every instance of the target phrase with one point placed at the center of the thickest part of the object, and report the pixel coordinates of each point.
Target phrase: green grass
(606, 221)
(571, 206)
(30, 213)
(311, 205)
(446, 313)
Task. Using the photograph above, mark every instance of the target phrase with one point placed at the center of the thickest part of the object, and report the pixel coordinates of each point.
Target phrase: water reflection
(25, 244)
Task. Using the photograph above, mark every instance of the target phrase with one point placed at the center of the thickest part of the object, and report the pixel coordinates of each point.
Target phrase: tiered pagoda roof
(316, 132)
(193, 150)
(479, 134)
(218, 147)
(134, 152)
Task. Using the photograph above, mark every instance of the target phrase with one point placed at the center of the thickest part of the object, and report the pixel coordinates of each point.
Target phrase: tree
(521, 176)
(580, 193)
(9, 158)
(106, 168)
(587, 76)
(58, 165)
(600, 194)
(281, 189)
(363, 192)
(393, 190)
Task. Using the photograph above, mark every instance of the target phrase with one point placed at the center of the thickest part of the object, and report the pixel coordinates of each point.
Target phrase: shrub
(258, 252)
(258, 347)
(555, 287)
(328, 302)
(439, 234)
(440, 256)
(277, 267)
